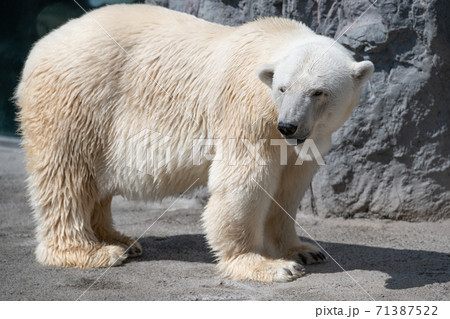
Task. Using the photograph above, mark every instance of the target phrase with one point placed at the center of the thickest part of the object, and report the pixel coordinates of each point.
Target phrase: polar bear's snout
(296, 115)
(287, 129)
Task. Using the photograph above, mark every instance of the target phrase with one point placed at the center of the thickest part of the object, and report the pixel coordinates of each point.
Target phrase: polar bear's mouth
(296, 141)
(300, 140)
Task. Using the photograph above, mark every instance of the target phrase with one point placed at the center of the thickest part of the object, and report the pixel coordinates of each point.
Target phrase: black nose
(287, 129)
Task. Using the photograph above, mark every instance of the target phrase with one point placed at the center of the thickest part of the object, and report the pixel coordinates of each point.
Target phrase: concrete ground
(383, 260)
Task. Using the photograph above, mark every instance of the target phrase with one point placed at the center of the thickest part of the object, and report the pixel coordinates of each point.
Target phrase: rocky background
(392, 157)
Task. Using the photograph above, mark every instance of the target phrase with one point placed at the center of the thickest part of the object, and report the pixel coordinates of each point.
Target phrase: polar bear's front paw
(117, 255)
(306, 254)
(291, 272)
(251, 266)
(134, 250)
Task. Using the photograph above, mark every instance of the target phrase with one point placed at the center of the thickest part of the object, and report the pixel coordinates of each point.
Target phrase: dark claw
(322, 256)
(299, 268)
(137, 250)
(313, 255)
(303, 258)
(288, 271)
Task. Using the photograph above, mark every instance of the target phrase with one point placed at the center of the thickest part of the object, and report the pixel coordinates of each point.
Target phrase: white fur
(99, 115)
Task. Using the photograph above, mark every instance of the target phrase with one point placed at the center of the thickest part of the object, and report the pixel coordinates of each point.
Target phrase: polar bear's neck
(274, 37)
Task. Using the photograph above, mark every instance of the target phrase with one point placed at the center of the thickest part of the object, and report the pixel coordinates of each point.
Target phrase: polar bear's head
(315, 87)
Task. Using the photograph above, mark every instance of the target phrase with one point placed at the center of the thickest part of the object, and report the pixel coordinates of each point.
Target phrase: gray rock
(392, 157)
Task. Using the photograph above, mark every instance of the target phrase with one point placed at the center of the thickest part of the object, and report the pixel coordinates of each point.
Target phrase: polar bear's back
(97, 81)
(97, 44)
(110, 50)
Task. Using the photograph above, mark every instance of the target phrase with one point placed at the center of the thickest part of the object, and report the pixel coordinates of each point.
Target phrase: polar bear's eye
(317, 93)
(282, 89)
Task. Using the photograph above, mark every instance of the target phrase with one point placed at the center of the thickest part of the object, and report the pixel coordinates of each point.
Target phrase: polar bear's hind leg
(103, 226)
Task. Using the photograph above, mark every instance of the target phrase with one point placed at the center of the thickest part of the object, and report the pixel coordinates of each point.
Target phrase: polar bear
(91, 89)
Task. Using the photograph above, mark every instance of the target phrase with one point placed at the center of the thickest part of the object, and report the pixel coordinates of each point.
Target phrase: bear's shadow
(406, 268)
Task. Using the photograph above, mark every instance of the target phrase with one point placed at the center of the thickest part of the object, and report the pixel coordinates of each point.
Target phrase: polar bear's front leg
(234, 222)
(280, 237)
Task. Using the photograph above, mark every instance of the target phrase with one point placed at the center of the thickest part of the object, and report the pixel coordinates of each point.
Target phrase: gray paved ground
(390, 260)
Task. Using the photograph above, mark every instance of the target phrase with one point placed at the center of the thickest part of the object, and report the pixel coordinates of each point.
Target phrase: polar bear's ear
(361, 71)
(265, 74)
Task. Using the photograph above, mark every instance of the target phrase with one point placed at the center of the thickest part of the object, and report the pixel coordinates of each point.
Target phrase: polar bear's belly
(149, 169)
